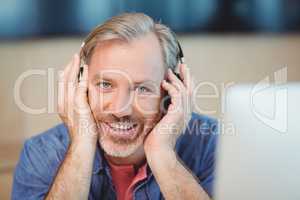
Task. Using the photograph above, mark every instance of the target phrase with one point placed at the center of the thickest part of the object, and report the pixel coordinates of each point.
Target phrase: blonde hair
(127, 27)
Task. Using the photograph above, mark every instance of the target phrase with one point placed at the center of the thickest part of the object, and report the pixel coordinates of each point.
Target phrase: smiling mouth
(126, 131)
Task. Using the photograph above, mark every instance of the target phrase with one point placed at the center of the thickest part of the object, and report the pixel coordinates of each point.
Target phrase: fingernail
(82, 44)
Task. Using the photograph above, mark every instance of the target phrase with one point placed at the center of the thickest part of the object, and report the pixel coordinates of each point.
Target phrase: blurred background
(225, 42)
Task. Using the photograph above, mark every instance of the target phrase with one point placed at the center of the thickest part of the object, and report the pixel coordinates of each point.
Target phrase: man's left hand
(163, 136)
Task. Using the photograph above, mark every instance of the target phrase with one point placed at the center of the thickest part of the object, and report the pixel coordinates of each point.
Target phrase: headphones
(166, 101)
(180, 55)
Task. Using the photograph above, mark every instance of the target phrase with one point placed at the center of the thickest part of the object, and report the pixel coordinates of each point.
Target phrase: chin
(116, 149)
(122, 141)
(120, 144)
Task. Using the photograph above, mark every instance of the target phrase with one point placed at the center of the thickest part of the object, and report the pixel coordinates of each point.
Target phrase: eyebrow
(146, 81)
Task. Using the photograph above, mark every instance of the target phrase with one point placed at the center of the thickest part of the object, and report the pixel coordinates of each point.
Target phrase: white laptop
(259, 148)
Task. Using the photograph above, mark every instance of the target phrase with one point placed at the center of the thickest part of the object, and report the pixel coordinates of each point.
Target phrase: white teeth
(122, 125)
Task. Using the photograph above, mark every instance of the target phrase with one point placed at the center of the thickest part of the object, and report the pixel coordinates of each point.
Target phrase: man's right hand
(73, 106)
(73, 178)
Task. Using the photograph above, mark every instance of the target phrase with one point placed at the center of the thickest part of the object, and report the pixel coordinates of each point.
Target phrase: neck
(137, 159)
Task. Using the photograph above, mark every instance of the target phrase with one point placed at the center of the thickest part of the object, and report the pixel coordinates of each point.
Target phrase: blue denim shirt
(42, 155)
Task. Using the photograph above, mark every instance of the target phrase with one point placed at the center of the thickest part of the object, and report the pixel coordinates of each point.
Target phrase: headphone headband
(179, 56)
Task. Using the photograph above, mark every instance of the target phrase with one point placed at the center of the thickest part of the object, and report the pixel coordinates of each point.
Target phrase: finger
(173, 92)
(192, 85)
(81, 92)
(175, 80)
(63, 88)
(65, 82)
(75, 70)
(61, 93)
(69, 92)
(185, 75)
(68, 68)
(188, 79)
(72, 83)
(181, 71)
(83, 82)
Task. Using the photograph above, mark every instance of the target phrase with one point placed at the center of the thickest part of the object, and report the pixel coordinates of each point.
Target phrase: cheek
(97, 100)
(151, 116)
(149, 106)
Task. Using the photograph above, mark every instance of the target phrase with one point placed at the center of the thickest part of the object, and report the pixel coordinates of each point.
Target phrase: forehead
(140, 58)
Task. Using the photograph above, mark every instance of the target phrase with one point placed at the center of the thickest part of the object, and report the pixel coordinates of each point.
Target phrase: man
(117, 140)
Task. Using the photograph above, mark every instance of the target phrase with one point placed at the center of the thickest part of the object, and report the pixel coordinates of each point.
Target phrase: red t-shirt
(124, 179)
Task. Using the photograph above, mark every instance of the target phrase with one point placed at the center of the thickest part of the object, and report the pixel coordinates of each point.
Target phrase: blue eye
(104, 85)
(143, 89)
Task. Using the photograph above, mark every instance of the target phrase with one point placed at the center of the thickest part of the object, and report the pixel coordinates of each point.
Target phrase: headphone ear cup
(165, 103)
(178, 76)
(166, 100)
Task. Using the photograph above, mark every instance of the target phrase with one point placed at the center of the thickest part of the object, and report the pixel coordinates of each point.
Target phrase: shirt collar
(99, 164)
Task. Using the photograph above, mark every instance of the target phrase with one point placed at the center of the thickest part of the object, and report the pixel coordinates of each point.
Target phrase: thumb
(81, 92)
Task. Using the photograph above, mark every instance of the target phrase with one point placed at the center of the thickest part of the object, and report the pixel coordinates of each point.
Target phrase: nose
(122, 103)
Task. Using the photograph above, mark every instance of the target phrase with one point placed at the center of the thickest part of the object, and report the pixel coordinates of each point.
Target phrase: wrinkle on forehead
(140, 59)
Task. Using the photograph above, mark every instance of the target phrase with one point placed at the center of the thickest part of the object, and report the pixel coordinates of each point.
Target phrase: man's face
(125, 92)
